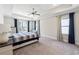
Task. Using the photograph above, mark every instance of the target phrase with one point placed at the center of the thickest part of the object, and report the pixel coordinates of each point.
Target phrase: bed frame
(23, 43)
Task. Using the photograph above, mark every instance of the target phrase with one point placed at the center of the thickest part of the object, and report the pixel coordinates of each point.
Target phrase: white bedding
(24, 36)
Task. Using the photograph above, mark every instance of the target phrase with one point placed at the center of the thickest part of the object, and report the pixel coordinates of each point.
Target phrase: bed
(24, 38)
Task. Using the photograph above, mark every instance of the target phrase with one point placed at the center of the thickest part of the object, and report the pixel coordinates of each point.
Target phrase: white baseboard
(51, 37)
(77, 43)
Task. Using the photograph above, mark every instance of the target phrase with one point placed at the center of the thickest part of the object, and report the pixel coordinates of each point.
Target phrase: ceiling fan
(34, 12)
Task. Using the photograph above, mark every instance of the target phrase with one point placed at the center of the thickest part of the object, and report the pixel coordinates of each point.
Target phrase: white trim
(51, 37)
(61, 12)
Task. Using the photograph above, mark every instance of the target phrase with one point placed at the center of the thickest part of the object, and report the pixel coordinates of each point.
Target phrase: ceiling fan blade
(38, 14)
(35, 12)
(33, 9)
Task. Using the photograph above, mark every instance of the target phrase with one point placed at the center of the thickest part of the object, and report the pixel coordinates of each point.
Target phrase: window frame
(64, 17)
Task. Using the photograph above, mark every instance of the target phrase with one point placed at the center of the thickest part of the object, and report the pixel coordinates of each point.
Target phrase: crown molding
(60, 12)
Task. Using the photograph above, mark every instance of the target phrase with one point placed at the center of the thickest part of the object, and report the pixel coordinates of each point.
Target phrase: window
(22, 25)
(32, 25)
(65, 24)
(28, 26)
(25, 25)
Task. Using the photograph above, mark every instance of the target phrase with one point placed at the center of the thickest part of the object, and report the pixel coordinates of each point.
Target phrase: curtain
(28, 25)
(39, 27)
(15, 21)
(71, 37)
(59, 33)
(34, 25)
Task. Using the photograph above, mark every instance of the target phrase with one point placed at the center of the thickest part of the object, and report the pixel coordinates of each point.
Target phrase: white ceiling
(43, 9)
(27, 8)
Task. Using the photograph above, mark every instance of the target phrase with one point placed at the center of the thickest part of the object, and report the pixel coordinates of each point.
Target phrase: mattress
(17, 37)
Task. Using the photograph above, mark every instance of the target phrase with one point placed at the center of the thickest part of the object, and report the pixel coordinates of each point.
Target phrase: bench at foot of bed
(24, 43)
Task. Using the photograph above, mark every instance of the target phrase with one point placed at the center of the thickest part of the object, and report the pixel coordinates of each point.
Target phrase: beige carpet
(47, 46)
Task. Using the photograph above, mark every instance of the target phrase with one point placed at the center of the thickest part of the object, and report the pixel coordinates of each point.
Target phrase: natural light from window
(65, 25)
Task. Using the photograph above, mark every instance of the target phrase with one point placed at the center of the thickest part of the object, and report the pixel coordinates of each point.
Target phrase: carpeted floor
(47, 46)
